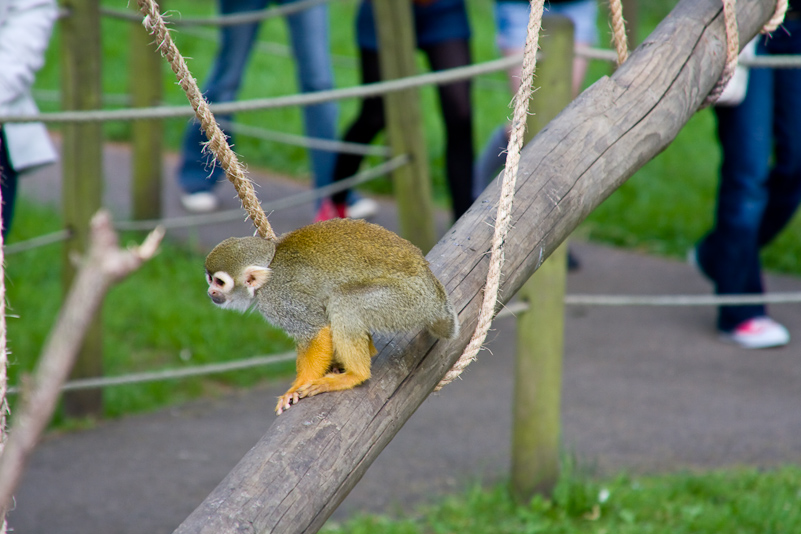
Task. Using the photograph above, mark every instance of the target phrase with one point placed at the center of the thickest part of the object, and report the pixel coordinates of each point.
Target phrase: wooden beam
(311, 457)
(536, 404)
(147, 135)
(82, 164)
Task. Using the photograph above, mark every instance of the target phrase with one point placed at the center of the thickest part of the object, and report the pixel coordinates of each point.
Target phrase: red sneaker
(329, 210)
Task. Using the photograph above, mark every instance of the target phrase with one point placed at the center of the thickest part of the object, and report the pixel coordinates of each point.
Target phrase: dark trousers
(755, 200)
(8, 185)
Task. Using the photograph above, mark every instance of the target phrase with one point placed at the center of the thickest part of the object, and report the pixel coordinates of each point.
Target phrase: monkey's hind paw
(286, 400)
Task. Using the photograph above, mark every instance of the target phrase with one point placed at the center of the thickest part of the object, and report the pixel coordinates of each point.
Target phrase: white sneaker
(758, 333)
(364, 208)
(201, 202)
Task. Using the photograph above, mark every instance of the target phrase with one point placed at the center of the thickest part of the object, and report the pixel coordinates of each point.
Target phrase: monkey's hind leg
(314, 359)
(353, 352)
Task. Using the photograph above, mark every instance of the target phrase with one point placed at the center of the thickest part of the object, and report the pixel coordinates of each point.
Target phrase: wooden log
(82, 164)
(536, 404)
(310, 458)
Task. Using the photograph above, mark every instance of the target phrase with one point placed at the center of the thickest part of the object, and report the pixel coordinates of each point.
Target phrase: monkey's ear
(255, 276)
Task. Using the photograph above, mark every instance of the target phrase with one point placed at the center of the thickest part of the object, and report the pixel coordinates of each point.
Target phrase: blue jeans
(308, 30)
(511, 21)
(755, 201)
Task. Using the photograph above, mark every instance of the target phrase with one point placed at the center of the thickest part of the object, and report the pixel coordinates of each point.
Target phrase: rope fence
(287, 202)
(222, 20)
(170, 374)
(304, 99)
(317, 143)
(509, 310)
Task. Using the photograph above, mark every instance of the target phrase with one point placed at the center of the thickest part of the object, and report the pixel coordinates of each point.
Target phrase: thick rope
(217, 143)
(777, 18)
(619, 31)
(732, 51)
(733, 43)
(504, 213)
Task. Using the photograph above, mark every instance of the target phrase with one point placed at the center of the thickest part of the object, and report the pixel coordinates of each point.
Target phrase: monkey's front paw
(286, 400)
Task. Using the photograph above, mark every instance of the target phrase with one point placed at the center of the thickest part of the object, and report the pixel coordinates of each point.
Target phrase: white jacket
(25, 28)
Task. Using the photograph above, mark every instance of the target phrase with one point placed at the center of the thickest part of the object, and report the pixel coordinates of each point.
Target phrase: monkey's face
(236, 294)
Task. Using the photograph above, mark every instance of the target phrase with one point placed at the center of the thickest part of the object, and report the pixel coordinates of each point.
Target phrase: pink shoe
(758, 333)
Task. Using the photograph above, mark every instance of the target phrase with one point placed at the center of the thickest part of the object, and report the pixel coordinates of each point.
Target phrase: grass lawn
(736, 501)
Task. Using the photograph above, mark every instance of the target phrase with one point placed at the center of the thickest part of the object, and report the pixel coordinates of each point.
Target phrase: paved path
(645, 390)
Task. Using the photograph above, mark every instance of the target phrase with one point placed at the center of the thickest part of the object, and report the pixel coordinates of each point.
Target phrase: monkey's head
(236, 269)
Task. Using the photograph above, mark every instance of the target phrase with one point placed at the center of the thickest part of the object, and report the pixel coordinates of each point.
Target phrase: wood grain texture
(310, 458)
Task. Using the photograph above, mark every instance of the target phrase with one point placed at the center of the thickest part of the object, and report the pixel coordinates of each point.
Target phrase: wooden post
(148, 137)
(310, 458)
(82, 157)
(540, 330)
(411, 183)
(631, 16)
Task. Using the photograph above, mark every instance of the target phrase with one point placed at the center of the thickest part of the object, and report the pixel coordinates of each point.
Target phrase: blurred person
(759, 190)
(309, 35)
(25, 29)
(442, 31)
(511, 21)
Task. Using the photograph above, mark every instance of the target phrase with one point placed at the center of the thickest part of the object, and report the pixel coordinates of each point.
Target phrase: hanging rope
(732, 51)
(504, 213)
(777, 18)
(619, 31)
(217, 143)
(733, 43)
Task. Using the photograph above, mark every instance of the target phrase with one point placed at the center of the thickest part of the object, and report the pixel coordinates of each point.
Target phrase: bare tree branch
(104, 265)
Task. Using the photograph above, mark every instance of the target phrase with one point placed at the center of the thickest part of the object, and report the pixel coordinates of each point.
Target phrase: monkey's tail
(447, 326)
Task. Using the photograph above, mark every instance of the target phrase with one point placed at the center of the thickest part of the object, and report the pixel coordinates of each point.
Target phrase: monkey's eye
(208, 278)
(221, 280)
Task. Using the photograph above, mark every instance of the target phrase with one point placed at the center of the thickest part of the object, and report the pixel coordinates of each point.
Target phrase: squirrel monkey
(329, 285)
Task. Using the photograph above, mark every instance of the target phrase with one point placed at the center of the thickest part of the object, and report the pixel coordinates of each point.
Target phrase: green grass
(736, 501)
(158, 318)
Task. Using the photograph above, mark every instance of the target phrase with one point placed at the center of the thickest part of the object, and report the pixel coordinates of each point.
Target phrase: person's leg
(784, 183)
(491, 159)
(196, 172)
(458, 116)
(365, 127)
(729, 255)
(8, 186)
(309, 31)
(511, 21)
